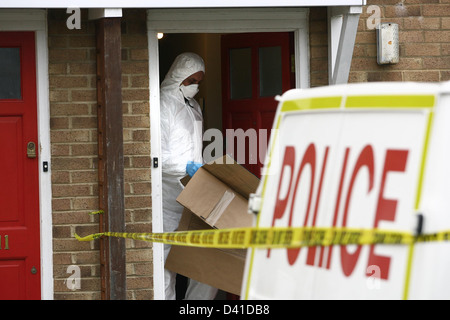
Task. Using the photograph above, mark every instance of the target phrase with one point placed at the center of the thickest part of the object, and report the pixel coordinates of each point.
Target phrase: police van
(372, 156)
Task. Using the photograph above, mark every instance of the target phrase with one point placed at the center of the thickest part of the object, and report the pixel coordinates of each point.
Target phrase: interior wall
(207, 45)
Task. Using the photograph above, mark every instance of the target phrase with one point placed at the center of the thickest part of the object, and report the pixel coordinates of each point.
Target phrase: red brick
(422, 49)
(437, 62)
(421, 75)
(437, 36)
(401, 10)
(415, 23)
(436, 10)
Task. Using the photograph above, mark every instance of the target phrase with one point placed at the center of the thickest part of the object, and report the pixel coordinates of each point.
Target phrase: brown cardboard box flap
(218, 193)
(233, 175)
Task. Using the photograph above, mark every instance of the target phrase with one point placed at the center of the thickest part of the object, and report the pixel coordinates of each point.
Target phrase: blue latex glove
(192, 167)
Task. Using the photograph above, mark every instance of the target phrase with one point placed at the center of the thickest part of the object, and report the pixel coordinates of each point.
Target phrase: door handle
(6, 242)
(31, 150)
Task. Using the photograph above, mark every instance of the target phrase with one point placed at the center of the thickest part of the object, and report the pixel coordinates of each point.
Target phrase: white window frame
(211, 20)
(36, 20)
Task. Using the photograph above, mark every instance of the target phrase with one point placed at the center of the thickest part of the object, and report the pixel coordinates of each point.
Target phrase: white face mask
(190, 91)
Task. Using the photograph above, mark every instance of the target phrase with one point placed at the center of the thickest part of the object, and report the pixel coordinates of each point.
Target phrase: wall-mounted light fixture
(387, 43)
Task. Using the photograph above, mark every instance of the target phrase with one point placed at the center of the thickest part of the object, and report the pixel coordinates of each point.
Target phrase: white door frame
(211, 21)
(36, 20)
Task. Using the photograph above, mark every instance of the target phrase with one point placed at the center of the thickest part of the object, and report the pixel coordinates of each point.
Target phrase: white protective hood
(183, 66)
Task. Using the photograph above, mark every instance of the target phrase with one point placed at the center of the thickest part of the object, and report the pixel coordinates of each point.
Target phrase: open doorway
(205, 23)
(244, 73)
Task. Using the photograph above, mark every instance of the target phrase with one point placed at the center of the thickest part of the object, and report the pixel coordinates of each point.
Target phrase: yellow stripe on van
(417, 203)
(395, 101)
(423, 161)
(311, 103)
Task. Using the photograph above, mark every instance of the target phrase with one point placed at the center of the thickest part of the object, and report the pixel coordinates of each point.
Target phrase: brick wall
(318, 42)
(424, 34)
(73, 111)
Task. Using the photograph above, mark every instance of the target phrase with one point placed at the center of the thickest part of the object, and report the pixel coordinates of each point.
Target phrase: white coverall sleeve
(171, 164)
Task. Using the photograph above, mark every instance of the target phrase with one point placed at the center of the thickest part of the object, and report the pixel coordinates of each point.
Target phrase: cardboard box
(215, 197)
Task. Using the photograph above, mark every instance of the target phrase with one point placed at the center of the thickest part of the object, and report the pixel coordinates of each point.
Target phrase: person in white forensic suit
(181, 146)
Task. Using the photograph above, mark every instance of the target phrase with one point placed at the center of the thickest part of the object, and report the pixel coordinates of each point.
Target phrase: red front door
(255, 68)
(19, 194)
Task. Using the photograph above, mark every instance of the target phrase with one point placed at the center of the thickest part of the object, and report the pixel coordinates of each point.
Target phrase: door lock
(31, 150)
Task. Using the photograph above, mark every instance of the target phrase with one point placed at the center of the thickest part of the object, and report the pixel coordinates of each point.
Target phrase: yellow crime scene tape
(277, 237)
